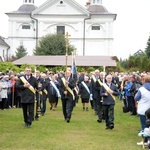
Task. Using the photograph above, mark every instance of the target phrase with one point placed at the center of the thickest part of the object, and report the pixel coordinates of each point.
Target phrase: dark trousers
(67, 107)
(28, 112)
(109, 115)
(43, 110)
(95, 105)
(100, 111)
(133, 107)
(3, 103)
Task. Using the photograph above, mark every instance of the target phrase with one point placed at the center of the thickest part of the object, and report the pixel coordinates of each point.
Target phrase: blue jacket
(127, 89)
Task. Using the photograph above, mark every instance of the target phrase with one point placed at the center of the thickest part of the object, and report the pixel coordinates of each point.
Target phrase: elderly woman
(142, 98)
(84, 90)
(3, 93)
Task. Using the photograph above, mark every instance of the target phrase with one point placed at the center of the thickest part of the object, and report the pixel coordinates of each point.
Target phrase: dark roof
(61, 60)
(2, 42)
(25, 9)
(98, 9)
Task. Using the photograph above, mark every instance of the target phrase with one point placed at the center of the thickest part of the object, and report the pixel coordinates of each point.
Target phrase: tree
(21, 52)
(147, 50)
(145, 64)
(131, 61)
(53, 44)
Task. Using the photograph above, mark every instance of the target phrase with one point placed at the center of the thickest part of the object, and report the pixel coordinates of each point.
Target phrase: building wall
(86, 41)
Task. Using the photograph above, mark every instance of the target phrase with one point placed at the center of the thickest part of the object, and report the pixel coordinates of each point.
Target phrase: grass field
(51, 132)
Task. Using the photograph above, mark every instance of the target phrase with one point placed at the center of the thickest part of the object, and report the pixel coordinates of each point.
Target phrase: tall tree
(147, 50)
(53, 44)
(145, 64)
(131, 61)
(21, 52)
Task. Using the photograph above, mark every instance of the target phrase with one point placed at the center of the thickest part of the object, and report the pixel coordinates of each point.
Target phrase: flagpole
(66, 37)
(72, 65)
(35, 71)
(104, 70)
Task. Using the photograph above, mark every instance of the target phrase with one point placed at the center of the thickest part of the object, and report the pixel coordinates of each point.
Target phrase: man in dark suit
(27, 85)
(99, 83)
(44, 90)
(108, 92)
(95, 90)
(67, 84)
(38, 94)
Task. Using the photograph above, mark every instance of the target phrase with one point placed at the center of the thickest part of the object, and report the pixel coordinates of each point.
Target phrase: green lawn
(51, 132)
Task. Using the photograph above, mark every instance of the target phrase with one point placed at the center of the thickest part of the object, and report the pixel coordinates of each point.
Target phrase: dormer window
(61, 2)
(29, 1)
(95, 27)
(96, 2)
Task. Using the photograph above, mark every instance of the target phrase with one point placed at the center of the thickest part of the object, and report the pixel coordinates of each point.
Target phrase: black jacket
(83, 91)
(62, 88)
(108, 100)
(27, 96)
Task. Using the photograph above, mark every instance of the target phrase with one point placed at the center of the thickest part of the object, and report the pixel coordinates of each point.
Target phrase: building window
(25, 26)
(29, 1)
(25, 1)
(60, 29)
(95, 27)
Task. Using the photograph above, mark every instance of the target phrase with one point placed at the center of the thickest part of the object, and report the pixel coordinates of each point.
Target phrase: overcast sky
(131, 27)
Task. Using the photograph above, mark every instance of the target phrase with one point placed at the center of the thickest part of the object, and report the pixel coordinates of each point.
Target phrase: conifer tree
(147, 50)
(53, 44)
(21, 52)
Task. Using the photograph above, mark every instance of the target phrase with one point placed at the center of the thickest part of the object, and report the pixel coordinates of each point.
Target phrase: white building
(4, 48)
(91, 28)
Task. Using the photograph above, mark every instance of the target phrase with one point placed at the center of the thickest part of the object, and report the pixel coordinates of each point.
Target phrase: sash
(45, 91)
(107, 89)
(53, 84)
(68, 88)
(100, 83)
(93, 77)
(25, 81)
(85, 87)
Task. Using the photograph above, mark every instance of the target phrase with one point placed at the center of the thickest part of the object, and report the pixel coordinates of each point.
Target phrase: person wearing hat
(9, 85)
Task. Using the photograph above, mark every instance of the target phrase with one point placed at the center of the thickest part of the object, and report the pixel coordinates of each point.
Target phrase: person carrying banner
(67, 84)
(108, 91)
(27, 85)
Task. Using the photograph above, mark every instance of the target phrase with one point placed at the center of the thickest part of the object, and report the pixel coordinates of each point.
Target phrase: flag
(74, 70)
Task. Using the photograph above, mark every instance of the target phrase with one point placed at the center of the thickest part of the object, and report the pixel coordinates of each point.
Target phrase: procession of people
(98, 90)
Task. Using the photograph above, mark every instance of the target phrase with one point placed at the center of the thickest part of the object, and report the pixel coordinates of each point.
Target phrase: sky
(131, 28)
